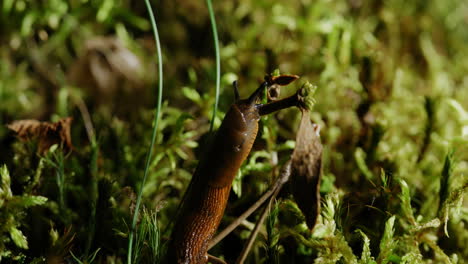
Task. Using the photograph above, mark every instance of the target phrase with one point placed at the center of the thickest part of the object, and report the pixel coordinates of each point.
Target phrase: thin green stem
(155, 129)
(218, 61)
(94, 194)
(60, 178)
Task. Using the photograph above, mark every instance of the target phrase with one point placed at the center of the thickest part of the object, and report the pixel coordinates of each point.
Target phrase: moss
(391, 103)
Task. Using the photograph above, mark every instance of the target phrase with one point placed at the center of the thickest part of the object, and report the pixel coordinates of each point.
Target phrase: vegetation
(390, 100)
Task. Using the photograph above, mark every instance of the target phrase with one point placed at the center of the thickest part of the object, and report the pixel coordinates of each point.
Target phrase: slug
(207, 195)
(203, 205)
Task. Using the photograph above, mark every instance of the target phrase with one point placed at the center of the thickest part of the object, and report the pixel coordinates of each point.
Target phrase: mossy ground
(392, 101)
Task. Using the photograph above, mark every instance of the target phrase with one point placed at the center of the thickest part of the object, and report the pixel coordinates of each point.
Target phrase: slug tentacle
(236, 91)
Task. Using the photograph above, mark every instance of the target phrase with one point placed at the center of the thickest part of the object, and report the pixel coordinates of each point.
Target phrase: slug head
(248, 108)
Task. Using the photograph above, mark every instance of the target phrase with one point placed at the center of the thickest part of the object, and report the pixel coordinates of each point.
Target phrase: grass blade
(218, 61)
(155, 129)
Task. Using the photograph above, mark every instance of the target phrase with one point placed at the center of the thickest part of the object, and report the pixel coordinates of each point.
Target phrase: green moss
(392, 103)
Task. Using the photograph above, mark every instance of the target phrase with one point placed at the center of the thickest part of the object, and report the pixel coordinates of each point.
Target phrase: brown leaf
(306, 165)
(46, 133)
(26, 129)
(282, 80)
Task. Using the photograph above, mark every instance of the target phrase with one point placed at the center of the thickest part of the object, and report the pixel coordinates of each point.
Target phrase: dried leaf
(46, 133)
(107, 69)
(26, 129)
(306, 169)
(282, 80)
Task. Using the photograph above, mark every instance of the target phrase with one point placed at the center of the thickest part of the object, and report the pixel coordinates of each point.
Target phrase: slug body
(204, 203)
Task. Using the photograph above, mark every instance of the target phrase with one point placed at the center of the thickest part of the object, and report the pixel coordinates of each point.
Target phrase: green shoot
(55, 158)
(447, 171)
(218, 61)
(366, 257)
(148, 238)
(360, 157)
(272, 243)
(12, 209)
(405, 198)
(307, 93)
(388, 242)
(88, 259)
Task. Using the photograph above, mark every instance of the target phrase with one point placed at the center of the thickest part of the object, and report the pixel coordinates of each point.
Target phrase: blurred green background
(391, 100)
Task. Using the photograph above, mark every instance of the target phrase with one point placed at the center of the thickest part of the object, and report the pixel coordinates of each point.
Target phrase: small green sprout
(276, 72)
(306, 95)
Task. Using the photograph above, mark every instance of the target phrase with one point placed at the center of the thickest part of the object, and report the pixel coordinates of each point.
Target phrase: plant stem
(429, 106)
(241, 218)
(155, 129)
(226, 231)
(218, 61)
(215, 260)
(284, 177)
(94, 194)
(253, 235)
(60, 178)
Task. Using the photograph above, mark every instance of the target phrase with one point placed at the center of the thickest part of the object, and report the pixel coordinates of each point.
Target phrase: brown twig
(226, 231)
(214, 260)
(284, 177)
(293, 100)
(279, 182)
(86, 119)
(253, 235)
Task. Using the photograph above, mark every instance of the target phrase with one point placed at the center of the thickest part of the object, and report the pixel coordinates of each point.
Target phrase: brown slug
(205, 200)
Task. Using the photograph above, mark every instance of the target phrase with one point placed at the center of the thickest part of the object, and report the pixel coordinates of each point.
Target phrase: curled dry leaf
(46, 133)
(306, 165)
